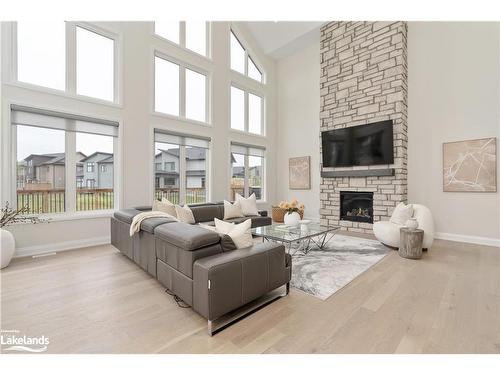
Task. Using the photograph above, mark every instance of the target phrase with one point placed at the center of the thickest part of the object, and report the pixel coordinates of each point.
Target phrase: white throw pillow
(164, 206)
(184, 214)
(241, 234)
(401, 214)
(248, 205)
(232, 210)
(223, 227)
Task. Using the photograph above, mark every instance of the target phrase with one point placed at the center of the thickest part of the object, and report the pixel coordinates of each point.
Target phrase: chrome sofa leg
(209, 326)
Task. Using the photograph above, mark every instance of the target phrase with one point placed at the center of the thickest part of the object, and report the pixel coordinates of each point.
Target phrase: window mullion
(182, 91)
(182, 175)
(70, 172)
(245, 111)
(182, 34)
(246, 187)
(71, 57)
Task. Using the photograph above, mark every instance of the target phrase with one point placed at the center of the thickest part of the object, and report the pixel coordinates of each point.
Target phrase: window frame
(70, 212)
(182, 164)
(246, 92)
(182, 89)
(70, 63)
(248, 56)
(182, 39)
(246, 165)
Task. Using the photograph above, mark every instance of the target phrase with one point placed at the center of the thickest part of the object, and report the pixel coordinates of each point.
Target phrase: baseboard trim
(468, 239)
(61, 246)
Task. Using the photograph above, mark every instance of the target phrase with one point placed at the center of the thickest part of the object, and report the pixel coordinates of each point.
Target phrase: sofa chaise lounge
(191, 263)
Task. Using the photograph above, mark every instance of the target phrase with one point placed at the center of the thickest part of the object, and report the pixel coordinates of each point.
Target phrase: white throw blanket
(136, 222)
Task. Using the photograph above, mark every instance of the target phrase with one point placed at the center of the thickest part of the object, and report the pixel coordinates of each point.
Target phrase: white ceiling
(280, 39)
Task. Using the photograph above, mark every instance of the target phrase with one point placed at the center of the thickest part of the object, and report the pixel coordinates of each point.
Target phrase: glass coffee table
(306, 236)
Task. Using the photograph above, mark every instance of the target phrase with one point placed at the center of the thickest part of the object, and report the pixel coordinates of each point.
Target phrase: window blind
(27, 116)
(245, 149)
(181, 139)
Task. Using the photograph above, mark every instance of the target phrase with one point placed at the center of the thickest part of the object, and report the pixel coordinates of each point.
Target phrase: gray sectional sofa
(191, 263)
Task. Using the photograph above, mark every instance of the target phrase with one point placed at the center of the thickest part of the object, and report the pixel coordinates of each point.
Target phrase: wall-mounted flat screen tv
(369, 144)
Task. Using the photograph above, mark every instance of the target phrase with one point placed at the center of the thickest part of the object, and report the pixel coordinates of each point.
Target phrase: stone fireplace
(364, 80)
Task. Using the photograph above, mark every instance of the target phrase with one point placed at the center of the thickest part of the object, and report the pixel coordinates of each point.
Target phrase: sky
(33, 140)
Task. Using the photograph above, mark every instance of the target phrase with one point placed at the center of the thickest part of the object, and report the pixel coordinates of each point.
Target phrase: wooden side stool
(410, 243)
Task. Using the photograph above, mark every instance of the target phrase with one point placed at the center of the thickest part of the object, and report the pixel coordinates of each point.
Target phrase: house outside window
(186, 163)
(247, 167)
(90, 167)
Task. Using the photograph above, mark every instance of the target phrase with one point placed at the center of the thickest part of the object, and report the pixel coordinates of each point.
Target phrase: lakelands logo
(12, 340)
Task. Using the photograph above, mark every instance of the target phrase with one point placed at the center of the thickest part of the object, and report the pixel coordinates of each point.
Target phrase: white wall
(137, 121)
(453, 94)
(298, 121)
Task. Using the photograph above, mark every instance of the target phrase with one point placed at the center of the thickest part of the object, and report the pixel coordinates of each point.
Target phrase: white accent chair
(388, 232)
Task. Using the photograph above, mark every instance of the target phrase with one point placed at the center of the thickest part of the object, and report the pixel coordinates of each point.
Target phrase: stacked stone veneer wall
(364, 80)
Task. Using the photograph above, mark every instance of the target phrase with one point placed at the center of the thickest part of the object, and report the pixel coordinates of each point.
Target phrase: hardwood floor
(95, 300)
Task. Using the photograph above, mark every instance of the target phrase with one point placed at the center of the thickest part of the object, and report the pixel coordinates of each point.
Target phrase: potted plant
(294, 211)
(10, 216)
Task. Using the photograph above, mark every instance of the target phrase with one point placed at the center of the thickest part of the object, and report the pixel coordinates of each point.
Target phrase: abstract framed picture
(299, 177)
(470, 166)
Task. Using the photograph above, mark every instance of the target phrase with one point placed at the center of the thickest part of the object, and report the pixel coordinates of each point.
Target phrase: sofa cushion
(150, 224)
(202, 214)
(208, 223)
(186, 236)
(126, 215)
(260, 221)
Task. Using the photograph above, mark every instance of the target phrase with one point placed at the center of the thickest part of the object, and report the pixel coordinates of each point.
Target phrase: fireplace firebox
(356, 206)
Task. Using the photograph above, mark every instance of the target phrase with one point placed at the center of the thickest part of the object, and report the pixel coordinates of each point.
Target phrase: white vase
(292, 218)
(412, 223)
(8, 246)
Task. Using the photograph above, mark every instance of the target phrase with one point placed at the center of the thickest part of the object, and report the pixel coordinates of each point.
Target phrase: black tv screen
(369, 144)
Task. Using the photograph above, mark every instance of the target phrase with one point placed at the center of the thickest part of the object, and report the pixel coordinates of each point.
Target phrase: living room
(226, 187)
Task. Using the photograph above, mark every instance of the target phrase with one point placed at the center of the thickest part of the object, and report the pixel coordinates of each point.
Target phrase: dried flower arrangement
(293, 206)
(20, 215)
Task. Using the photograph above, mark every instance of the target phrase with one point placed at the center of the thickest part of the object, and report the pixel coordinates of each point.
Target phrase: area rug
(322, 272)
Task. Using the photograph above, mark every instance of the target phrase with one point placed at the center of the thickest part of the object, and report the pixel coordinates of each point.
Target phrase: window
(253, 71)
(247, 170)
(237, 109)
(172, 79)
(196, 37)
(41, 53)
(94, 65)
(192, 35)
(186, 160)
(241, 61)
(169, 30)
(254, 114)
(247, 111)
(42, 59)
(237, 55)
(196, 170)
(195, 96)
(166, 87)
(49, 142)
(38, 189)
(96, 149)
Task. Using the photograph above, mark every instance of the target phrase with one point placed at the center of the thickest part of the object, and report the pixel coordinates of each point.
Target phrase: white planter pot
(292, 218)
(412, 223)
(8, 246)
